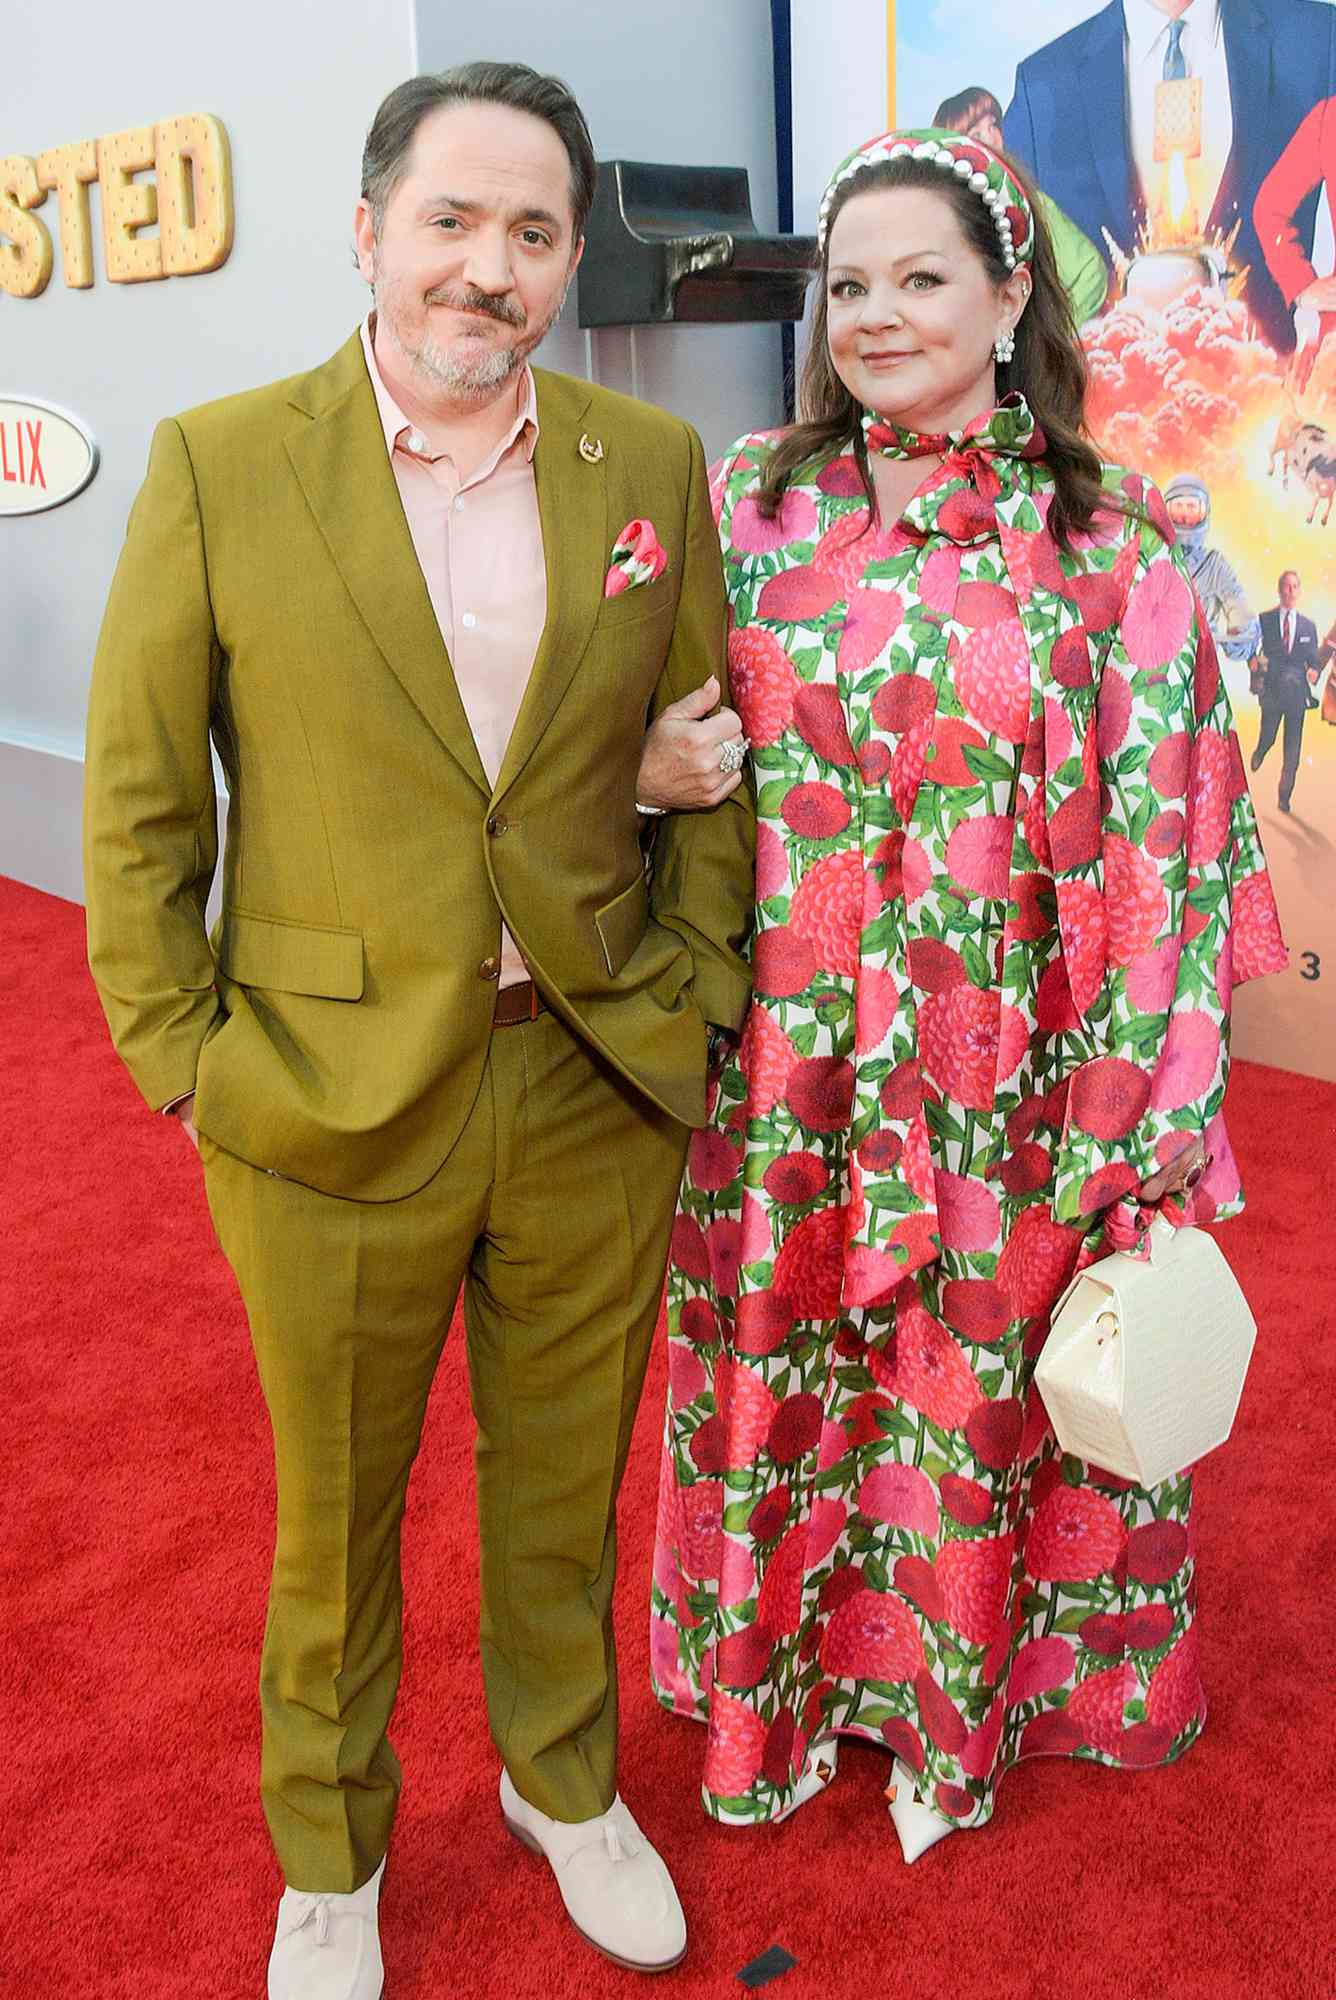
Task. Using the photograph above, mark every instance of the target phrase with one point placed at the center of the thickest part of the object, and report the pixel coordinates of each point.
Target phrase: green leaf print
(989, 766)
(770, 797)
(902, 1200)
(976, 963)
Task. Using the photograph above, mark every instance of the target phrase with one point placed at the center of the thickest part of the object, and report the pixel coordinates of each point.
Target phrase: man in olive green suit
(449, 1026)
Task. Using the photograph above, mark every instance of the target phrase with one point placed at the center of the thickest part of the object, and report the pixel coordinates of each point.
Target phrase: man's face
(1186, 510)
(1290, 589)
(475, 249)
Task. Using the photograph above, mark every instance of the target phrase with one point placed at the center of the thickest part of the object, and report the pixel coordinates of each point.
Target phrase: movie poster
(1187, 156)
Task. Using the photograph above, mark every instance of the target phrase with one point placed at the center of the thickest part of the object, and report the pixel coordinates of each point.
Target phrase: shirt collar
(394, 424)
(1008, 430)
(1148, 28)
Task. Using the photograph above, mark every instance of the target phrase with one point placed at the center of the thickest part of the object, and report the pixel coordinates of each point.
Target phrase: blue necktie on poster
(1175, 62)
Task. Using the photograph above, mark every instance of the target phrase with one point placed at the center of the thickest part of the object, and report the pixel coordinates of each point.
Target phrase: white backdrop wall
(840, 77)
(296, 93)
(296, 85)
(841, 88)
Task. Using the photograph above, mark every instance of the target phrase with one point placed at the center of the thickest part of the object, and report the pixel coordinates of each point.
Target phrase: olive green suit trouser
(554, 1209)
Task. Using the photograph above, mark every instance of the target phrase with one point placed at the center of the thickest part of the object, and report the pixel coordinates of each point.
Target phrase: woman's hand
(1320, 296)
(1182, 1173)
(679, 765)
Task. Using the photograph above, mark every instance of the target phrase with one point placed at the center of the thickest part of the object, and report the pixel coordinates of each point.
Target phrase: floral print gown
(1007, 873)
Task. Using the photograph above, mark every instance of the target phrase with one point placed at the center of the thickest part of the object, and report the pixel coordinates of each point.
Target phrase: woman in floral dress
(1007, 875)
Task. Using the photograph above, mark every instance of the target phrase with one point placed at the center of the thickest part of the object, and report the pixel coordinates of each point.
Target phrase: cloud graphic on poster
(942, 46)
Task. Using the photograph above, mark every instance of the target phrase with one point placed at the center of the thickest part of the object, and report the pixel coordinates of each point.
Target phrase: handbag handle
(1161, 1235)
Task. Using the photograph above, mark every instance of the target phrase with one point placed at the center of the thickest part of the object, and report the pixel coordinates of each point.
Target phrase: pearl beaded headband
(977, 166)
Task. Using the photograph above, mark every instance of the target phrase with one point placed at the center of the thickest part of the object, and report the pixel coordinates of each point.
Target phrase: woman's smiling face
(912, 310)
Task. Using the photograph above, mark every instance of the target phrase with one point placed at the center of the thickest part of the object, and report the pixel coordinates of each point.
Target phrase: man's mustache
(470, 300)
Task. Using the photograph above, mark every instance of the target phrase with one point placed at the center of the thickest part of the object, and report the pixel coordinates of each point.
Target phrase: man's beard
(464, 375)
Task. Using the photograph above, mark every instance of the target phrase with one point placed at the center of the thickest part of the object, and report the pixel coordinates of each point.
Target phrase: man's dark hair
(394, 127)
(958, 113)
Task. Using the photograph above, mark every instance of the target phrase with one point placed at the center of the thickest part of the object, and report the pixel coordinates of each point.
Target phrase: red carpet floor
(132, 1573)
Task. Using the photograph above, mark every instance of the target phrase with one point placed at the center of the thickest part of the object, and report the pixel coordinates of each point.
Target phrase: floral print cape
(1007, 876)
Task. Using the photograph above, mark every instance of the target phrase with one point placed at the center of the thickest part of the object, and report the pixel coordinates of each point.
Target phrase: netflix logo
(21, 454)
(47, 455)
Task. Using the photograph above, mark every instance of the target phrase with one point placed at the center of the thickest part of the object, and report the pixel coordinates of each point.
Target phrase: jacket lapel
(340, 460)
(572, 507)
(1249, 61)
(1104, 56)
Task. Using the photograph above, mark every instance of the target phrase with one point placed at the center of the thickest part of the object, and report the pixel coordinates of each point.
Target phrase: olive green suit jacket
(336, 1024)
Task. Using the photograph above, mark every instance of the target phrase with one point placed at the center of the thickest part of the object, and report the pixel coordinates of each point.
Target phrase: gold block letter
(25, 261)
(194, 194)
(128, 205)
(69, 169)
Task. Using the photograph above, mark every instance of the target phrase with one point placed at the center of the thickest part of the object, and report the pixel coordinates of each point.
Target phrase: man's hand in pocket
(183, 1113)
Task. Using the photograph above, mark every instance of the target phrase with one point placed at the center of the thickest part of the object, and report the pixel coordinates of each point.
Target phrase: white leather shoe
(917, 1825)
(327, 1947)
(817, 1774)
(617, 1891)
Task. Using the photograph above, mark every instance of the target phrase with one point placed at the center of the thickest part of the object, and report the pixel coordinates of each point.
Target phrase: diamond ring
(733, 754)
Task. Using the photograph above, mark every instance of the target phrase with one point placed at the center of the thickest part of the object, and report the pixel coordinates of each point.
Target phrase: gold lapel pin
(591, 449)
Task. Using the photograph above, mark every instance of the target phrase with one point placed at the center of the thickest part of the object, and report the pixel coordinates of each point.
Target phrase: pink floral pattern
(637, 557)
(1003, 840)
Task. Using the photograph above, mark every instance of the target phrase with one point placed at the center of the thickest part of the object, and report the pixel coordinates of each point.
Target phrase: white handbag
(1144, 1364)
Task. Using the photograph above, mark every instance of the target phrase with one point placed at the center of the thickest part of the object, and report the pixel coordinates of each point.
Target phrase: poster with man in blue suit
(1083, 118)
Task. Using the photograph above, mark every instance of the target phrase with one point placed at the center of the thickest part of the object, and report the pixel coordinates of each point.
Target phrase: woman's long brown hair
(1048, 366)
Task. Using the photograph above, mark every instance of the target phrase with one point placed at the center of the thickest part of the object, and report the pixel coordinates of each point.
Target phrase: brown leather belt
(520, 1002)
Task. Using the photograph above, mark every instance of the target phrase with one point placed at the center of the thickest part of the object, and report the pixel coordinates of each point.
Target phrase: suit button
(490, 969)
(497, 825)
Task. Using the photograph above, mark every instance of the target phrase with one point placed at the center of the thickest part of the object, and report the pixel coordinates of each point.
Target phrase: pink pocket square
(637, 557)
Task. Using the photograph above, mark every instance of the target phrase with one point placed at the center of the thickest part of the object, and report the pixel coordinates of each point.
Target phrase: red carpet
(132, 1577)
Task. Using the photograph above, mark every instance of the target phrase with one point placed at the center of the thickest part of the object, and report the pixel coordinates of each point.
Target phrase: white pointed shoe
(617, 1891)
(327, 1947)
(817, 1774)
(917, 1825)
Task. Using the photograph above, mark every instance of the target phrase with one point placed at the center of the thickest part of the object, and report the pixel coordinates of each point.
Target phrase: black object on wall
(668, 243)
(781, 49)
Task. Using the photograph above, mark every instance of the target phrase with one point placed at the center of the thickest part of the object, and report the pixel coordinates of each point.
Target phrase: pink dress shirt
(479, 543)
